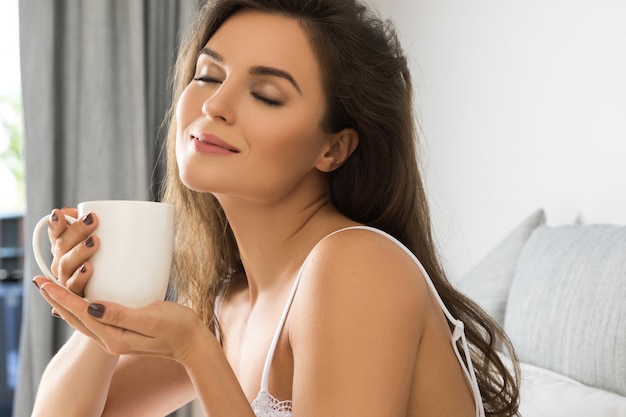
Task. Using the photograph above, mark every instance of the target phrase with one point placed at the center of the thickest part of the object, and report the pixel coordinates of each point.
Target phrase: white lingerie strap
(459, 327)
(270, 355)
(457, 334)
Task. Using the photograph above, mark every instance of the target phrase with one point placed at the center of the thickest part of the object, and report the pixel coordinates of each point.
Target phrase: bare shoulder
(356, 325)
(359, 269)
(355, 263)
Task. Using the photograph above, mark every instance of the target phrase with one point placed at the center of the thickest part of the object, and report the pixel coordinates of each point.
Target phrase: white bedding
(548, 394)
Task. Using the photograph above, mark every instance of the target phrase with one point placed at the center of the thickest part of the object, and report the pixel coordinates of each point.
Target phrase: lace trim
(265, 405)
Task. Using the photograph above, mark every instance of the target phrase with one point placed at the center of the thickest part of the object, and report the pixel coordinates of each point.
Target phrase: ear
(339, 147)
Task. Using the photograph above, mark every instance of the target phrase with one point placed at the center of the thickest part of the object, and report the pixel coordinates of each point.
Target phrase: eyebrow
(258, 70)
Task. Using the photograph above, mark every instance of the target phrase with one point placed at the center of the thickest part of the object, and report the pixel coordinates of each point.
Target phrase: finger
(39, 280)
(135, 320)
(75, 323)
(46, 287)
(75, 258)
(59, 296)
(76, 283)
(70, 211)
(113, 338)
(118, 329)
(57, 223)
(64, 237)
(159, 329)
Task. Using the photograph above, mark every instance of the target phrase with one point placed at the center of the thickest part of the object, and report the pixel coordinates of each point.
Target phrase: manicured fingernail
(88, 219)
(54, 217)
(83, 269)
(89, 242)
(35, 283)
(96, 310)
(55, 314)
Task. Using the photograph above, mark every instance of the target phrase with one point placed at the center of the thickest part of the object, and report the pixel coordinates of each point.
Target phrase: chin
(191, 181)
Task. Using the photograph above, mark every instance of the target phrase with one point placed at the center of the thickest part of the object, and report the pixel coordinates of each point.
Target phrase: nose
(219, 105)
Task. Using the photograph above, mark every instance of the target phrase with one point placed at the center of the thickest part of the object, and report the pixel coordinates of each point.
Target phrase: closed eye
(208, 80)
(266, 100)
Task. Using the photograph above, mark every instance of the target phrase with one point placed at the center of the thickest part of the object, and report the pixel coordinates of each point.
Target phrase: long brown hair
(368, 87)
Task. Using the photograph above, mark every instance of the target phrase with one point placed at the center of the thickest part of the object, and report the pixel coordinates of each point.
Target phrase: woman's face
(248, 124)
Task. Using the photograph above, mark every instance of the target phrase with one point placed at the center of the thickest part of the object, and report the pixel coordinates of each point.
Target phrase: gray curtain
(95, 91)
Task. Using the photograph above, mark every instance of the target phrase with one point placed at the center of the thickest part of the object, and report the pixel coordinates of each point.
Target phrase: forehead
(254, 38)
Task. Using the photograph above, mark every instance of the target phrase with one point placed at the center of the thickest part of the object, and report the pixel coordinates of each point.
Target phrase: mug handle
(37, 249)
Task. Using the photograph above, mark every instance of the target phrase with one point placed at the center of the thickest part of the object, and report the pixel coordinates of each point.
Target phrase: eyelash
(206, 80)
(268, 101)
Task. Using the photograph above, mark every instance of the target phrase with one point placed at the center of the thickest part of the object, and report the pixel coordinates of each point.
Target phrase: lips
(210, 140)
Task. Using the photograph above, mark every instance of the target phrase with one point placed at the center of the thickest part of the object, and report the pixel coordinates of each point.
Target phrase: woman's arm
(83, 379)
(218, 389)
(192, 347)
(147, 386)
(168, 355)
(355, 327)
(76, 381)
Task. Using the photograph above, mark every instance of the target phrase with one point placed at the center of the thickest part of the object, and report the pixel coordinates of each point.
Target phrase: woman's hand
(163, 329)
(71, 246)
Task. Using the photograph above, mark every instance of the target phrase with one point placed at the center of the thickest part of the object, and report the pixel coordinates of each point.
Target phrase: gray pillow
(488, 283)
(567, 305)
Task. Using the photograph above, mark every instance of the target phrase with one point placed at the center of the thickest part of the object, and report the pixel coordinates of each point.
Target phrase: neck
(274, 239)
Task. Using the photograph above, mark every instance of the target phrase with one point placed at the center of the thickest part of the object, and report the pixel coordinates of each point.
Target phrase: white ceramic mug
(132, 265)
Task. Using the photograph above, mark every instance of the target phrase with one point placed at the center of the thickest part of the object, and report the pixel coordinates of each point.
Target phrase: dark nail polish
(54, 217)
(35, 283)
(88, 219)
(83, 269)
(89, 242)
(96, 310)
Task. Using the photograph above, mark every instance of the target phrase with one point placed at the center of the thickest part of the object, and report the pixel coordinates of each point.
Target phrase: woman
(292, 127)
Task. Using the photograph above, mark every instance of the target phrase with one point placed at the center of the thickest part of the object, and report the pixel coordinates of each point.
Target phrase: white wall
(523, 105)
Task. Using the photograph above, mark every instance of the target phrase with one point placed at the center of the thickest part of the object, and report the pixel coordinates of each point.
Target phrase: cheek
(287, 152)
(183, 111)
(181, 123)
(190, 171)
(183, 118)
(301, 140)
(182, 160)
